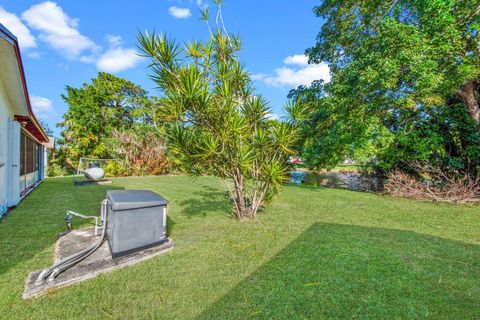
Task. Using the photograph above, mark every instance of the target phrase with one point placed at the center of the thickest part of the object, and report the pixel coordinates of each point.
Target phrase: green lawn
(315, 253)
(350, 168)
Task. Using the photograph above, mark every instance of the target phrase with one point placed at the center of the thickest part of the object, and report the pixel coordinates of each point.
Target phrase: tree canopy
(94, 111)
(405, 82)
(401, 53)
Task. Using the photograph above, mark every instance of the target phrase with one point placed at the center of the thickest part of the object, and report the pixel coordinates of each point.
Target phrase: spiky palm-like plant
(216, 125)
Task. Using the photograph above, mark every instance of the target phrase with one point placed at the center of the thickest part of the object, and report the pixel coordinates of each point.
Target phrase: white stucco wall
(4, 115)
(9, 154)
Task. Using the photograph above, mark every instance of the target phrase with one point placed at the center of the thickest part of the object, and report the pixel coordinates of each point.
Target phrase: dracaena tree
(215, 123)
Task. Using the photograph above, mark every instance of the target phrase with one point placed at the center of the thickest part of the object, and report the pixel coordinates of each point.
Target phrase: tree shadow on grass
(35, 224)
(207, 201)
(344, 271)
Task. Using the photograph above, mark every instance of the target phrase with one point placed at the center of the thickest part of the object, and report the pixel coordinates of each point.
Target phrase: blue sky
(68, 42)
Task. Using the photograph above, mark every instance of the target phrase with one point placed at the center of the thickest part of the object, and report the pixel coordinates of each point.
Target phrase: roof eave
(7, 35)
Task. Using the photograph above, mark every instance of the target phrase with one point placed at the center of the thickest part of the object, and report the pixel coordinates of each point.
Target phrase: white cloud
(15, 25)
(258, 76)
(179, 13)
(202, 4)
(114, 40)
(296, 59)
(272, 116)
(118, 59)
(58, 29)
(298, 72)
(42, 107)
(297, 77)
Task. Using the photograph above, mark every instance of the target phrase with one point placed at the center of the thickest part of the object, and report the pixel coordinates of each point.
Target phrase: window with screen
(28, 155)
(22, 153)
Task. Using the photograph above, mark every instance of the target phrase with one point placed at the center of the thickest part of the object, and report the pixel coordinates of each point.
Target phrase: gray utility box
(136, 220)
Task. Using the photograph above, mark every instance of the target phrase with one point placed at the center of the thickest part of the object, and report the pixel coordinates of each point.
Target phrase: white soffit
(11, 78)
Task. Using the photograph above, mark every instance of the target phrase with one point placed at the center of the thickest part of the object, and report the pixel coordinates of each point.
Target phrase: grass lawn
(349, 168)
(315, 253)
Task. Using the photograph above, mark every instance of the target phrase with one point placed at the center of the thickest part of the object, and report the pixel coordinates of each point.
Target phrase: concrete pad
(97, 263)
(89, 183)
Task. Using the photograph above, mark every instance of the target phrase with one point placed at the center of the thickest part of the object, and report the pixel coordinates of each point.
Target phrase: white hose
(75, 258)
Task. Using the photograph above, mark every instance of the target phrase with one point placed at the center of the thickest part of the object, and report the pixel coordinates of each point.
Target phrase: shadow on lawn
(35, 224)
(209, 200)
(344, 271)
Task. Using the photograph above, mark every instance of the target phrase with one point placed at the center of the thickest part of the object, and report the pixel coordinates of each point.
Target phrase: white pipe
(97, 226)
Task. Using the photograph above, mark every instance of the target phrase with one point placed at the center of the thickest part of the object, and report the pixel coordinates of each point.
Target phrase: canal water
(355, 181)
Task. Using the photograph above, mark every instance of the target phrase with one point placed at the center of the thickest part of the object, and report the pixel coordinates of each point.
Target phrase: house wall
(13, 163)
(15, 104)
(4, 152)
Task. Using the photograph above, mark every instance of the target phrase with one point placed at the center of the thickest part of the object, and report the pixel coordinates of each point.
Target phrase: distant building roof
(50, 144)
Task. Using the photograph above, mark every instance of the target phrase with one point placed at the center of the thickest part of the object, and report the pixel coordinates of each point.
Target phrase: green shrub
(115, 169)
(55, 170)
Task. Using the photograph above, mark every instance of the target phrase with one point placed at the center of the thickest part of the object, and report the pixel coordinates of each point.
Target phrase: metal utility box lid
(134, 199)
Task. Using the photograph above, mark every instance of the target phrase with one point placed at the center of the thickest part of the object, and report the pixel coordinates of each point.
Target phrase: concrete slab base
(97, 263)
(89, 183)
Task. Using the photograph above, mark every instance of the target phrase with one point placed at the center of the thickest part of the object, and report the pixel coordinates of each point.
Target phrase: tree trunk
(467, 94)
(243, 209)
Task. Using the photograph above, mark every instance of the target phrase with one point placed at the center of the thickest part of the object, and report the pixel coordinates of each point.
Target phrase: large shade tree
(95, 110)
(402, 53)
(216, 124)
(400, 70)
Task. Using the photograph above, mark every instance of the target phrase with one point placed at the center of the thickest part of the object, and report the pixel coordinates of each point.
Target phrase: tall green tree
(217, 125)
(46, 128)
(332, 130)
(94, 111)
(401, 53)
(400, 70)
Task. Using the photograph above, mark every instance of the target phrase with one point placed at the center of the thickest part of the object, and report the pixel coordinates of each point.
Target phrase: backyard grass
(349, 168)
(314, 253)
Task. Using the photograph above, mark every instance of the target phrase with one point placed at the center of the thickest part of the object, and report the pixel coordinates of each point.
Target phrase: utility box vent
(136, 220)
